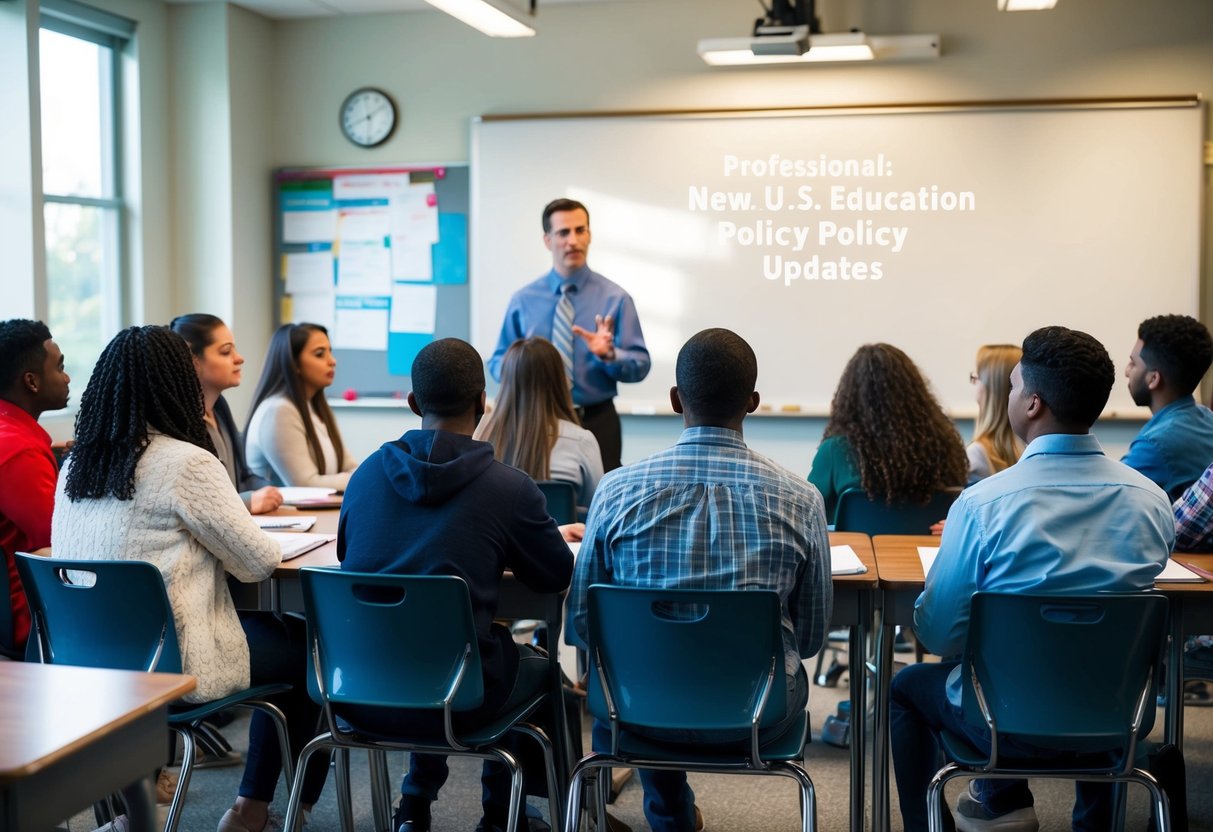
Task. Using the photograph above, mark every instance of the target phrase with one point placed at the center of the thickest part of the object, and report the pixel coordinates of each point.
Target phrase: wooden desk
(901, 582)
(69, 736)
(853, 601)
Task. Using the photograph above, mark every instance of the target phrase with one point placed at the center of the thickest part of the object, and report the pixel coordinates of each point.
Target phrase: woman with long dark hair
(534, 427)
(886, 434)
(292, 437)
(219, 367)
(142, 482)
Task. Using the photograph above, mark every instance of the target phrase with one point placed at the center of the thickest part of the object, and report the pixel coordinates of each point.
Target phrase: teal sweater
(834, 471)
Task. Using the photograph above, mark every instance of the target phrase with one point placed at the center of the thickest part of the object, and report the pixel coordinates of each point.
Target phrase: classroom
(218, 98)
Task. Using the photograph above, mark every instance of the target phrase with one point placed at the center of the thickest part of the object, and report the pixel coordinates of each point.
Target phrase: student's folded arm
(214, 515)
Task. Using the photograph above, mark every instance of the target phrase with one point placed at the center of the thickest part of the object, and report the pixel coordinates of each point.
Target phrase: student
(533, 426)
(591, 321)
(1168, 361)
(709, 513)
(292, 436)
(32, 381)
(435, 502)
(219, 368)
(886, 434)
(1063, 520)
(995, 446)
(1194, 515)
(143, 483)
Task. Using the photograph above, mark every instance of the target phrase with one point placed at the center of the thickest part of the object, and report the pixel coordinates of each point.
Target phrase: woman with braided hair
(143, 483)
(886, 434)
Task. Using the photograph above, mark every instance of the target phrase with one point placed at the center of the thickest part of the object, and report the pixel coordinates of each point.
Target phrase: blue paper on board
(451, 250)
(402, 348)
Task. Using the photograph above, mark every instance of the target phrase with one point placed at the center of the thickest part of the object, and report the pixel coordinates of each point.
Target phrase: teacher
(591, 321)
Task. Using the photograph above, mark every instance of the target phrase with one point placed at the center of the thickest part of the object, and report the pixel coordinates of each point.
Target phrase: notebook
(844, 561)
(288, 523)
(295, 544)
(302, 496)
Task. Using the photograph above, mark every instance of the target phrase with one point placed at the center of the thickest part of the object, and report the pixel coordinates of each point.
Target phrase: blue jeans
(919, 709)
(428, 772)
(669, 802)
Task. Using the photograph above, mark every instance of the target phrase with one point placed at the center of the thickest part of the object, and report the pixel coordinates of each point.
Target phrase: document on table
(1176, 572)
(300, 523)
(293, 495)
(844, 561)
(295, 544)
(927, 554)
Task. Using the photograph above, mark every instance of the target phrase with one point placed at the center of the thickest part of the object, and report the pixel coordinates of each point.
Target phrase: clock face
(368, 117)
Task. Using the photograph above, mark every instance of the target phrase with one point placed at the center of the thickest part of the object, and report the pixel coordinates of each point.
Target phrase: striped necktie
(562, 330)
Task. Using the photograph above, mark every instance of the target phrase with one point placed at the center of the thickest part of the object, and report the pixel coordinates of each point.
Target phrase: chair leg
(517, 787)
(381, 796)
(935, 795)
(602, 791)
(345, 803)
(1162, 805)
(549, 761)
(183, 780)
(293, 815)
(808, 793)
(572, 810)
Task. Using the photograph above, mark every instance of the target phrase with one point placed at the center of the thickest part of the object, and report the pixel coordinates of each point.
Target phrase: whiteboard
(811, 233)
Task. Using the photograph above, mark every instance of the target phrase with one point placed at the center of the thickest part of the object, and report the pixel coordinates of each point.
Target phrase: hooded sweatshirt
(437, 503)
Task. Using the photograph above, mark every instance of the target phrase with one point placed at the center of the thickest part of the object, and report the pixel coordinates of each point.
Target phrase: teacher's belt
(592, 410)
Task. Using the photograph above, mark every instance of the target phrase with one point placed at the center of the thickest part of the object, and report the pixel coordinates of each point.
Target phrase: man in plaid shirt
(709, 513)
(1194, 516)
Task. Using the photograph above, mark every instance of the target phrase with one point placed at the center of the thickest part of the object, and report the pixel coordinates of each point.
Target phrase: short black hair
(1070, 371)
(22, 350)
(557, 205)
(448, 378)
(1177, 346)
(716, 373)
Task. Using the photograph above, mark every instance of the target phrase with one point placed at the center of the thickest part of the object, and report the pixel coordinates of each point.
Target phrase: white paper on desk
(308, 271)
(295, 544)
(364, 269)
(371, 224)
(294, 493)
(1176, 572)
(313, 308)
(414, 308)
(286, 523)
(309, 226)
(927, 554)
(361, 327)
(844, 561)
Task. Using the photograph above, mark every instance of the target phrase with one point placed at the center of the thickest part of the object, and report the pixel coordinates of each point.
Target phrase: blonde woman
(534, 427)
(995, 446)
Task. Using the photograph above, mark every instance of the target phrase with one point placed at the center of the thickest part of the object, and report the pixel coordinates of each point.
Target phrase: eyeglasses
(973, 378)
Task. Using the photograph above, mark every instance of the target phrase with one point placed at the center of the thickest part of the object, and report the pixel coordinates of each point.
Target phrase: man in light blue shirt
(709, 513)
(1065, 520)
(606, 344)
(1172, 354)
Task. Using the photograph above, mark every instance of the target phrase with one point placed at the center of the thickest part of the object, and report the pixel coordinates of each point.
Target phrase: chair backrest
(562, 500)
(101, 613)
(398, 641)
(686, 659)
(857, 513)
(8, 646)
(1065, 672)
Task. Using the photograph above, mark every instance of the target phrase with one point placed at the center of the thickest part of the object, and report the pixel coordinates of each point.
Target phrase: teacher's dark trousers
(602, 421)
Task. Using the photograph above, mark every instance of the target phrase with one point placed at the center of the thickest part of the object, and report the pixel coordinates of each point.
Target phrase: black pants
(602, 421)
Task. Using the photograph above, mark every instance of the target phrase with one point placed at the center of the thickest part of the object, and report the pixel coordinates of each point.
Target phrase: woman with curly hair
(142, 482)
(886, 434)
(533, 426)
(291, 437)
(995, 446)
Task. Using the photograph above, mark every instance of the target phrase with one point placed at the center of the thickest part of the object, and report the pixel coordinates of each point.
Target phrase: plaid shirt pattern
(1194, 515)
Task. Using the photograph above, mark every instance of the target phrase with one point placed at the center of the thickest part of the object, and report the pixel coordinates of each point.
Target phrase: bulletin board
(379, 257)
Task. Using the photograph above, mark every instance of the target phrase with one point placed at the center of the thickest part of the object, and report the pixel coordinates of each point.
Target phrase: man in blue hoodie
(436, 502)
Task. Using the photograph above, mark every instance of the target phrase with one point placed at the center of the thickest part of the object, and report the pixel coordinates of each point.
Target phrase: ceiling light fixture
(791, 34)
(487, 16)
(1025, 5)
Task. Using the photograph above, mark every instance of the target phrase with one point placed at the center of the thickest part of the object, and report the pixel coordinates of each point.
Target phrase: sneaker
(231, 822)
(972, 816)
(698, 820)
(118, 824)
(412, 815)
(166, 787)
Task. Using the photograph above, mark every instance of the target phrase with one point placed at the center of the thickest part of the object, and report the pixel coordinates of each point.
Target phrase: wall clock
(368, 117)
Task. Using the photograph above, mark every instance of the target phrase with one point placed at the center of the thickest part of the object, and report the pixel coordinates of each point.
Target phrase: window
(80, 64)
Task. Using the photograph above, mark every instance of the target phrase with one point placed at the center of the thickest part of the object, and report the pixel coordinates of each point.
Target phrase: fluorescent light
(831, 48)
(1025, 5)
(483, 15)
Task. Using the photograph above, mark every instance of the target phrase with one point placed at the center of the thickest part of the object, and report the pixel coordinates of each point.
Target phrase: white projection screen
(811, 233)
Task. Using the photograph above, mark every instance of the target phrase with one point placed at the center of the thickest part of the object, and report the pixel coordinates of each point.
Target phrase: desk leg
(140, 798)
(880, 727)
(858, 646)
(1174, 687)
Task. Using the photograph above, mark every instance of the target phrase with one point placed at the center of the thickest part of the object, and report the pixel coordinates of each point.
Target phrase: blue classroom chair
(856, 512)
(562, 500)
(123, 620)
(1077, 674)
(686, 633)
(432, 664)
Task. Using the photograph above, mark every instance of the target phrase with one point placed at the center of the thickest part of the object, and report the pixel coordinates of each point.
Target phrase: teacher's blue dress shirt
(530, 315)
(1175, 446)
(1063, 520)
